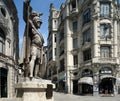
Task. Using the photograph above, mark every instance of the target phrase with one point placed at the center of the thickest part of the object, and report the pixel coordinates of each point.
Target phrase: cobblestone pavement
(69, 97)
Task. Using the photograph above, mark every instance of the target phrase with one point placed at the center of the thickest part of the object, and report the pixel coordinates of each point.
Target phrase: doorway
(75, 86)
(87, 89)
(3, 82)
(106, 86)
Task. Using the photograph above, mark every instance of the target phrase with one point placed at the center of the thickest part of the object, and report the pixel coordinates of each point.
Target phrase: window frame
(75, 43)
(105, 51)
(87, 35)
(104, 30)
(75, 60)
(86, 16)
(75, 26)
(87, 55)
(104, 9)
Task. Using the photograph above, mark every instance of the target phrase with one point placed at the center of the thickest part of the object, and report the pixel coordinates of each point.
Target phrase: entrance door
(106, 86)
(87, 89)
(75, 86)
(3, 82)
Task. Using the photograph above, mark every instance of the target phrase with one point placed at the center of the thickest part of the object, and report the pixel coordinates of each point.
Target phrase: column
(115, 38)
(96, 84)
(95, 39)
(68, 55)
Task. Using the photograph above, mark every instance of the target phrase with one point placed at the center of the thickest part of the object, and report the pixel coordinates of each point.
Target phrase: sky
(41, 6)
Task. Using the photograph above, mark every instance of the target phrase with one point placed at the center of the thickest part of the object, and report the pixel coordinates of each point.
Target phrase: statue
(32, 49)
(37, 41)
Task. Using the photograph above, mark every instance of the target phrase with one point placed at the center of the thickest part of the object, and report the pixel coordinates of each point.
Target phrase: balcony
(110, 60)
(74, 11)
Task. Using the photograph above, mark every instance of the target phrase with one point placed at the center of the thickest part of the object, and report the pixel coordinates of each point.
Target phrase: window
(73, 4)
(104, 30)
(61, 35)
(75, 43)
(55, 37)
(87, 36)
(3, 11)
(75, 26)
(61, 17)
(87, 54)
(2, 41)
(75, 59)
(104, 9)
(86, 16)
(55, 52)
(62, 68)
(61, 49)
(55, 24)
(105, 51)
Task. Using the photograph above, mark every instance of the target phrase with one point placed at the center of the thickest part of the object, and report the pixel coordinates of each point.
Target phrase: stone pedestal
(35, 90)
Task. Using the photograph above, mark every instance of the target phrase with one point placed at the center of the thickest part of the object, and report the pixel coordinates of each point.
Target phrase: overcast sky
(39, 6)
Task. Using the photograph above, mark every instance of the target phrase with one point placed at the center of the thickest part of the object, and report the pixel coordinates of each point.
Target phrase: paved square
(69, 97)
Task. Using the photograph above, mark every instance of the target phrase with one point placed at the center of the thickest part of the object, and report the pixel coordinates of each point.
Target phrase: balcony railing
(107, 60)
(110, 60)
(74, 10)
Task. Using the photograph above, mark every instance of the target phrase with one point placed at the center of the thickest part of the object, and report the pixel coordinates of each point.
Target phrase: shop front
(61, 82)
(86, 82)
(107, 82)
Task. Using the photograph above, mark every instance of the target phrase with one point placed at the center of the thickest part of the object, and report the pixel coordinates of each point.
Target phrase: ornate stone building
(87, 46)
(9, 48)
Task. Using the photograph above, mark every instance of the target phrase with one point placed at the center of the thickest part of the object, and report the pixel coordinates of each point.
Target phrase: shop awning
(107, 76)
(86, 80)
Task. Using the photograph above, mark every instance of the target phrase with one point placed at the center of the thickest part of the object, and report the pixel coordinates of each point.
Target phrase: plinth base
(35, 90)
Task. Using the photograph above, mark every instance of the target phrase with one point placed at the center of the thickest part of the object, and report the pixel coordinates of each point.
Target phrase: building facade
(51, 40)
(9, 48)
(87, 46)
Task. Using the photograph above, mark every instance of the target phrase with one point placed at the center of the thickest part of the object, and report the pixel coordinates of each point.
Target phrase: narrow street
(68, 97)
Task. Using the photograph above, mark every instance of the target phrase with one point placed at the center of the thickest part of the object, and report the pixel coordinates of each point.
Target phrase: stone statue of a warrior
(32, 56)
(36, 49)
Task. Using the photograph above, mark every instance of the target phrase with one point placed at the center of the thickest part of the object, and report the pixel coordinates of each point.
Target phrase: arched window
(2, 41)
